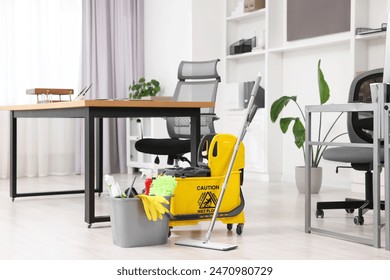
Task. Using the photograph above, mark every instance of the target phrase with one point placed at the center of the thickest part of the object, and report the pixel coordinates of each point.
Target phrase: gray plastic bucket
(130, 226)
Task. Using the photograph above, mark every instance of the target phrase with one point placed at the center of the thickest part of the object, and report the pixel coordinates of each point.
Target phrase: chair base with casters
(351, 204)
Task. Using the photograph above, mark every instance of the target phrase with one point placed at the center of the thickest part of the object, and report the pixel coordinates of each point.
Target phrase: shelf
(241, 112)
(245, 55)
(371, 36)
(246, 16)
(332, 40)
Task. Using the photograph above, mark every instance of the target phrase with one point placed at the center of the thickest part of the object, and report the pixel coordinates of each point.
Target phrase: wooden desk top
(109, 103)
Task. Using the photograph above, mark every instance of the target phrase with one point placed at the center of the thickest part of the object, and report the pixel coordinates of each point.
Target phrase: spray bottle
(115, 189)
(148, 173)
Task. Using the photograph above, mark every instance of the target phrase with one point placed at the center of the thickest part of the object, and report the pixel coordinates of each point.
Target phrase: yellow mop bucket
(217, 161)
(195, 198)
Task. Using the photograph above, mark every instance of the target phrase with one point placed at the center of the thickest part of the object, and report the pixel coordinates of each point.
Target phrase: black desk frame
(93, 119)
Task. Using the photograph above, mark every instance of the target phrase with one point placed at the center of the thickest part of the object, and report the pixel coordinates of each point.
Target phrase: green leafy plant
(298, 127)
(144, 88)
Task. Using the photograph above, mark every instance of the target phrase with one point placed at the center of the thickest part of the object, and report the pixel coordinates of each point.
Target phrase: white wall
(177, 30)
(208, 42)
(207, 29)
(167, 40)
(167, 28)
(300, 79)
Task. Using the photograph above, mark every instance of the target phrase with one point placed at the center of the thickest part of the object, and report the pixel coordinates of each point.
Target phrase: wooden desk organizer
(48, 95)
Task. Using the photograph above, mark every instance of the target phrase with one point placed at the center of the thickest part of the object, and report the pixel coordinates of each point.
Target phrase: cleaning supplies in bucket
(148, 174)
(140, 220)
(153, 206)
(130, 227)
(163, 186)
(155, 193)
(113, 187)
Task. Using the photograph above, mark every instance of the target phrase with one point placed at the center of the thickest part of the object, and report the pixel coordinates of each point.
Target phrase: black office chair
(198, 81)
(360, 127)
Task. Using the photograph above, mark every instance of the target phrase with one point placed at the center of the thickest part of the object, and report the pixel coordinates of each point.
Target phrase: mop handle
(246, 122)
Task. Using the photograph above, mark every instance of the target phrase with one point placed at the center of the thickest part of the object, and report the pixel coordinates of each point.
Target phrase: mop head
(206, 245)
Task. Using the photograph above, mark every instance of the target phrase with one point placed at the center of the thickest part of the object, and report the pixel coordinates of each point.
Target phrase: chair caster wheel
(169, 231)
(239, 229)
(229, 226)
(350, 210)
(90, 225)
(319, 213)
(358, 220)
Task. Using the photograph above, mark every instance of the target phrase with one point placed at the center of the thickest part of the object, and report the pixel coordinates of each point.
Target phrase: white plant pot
(316, 179)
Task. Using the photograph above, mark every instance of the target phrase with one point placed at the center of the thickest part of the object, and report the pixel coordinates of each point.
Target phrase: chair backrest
(360, 124)
(198, 81)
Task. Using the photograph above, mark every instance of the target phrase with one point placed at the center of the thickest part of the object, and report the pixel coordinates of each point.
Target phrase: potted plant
(298, 129)
(144, 88)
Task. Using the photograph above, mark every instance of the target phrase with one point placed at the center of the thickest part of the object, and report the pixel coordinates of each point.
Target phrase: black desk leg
(99, 155)
(13, 155)
(89, 169)
(93, 170)
(195, 132)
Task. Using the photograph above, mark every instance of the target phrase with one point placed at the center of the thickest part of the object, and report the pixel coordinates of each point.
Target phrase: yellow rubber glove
(153, 206)
(145, 203)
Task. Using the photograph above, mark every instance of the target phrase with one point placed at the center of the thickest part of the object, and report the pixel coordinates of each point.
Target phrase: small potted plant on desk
(144, 88)
(298, 129)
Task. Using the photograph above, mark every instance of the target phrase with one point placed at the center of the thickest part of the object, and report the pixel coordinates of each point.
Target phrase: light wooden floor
(54, 228)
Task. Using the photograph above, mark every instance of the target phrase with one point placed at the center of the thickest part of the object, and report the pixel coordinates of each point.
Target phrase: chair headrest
(195, 70)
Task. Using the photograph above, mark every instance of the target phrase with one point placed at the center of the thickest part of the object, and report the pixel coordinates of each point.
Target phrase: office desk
(351, 107)
(93, 112)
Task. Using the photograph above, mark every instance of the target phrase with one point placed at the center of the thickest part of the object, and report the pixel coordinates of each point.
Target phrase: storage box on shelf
(252, 5)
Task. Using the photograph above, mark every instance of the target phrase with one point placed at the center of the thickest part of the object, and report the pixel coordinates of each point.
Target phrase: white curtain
(112, 57)
(40, 46)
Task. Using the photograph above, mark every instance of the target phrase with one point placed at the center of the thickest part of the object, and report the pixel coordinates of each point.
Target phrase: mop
(207, 244)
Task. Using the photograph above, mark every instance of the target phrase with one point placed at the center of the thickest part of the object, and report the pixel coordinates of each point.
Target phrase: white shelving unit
(324, 41)
(246, 55)
(245, 67)
(361, 53)
(136, 159)
(246, 16)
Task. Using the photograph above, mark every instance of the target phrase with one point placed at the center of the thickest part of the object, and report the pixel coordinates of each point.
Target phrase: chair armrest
(211, 115)
(348, 107)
